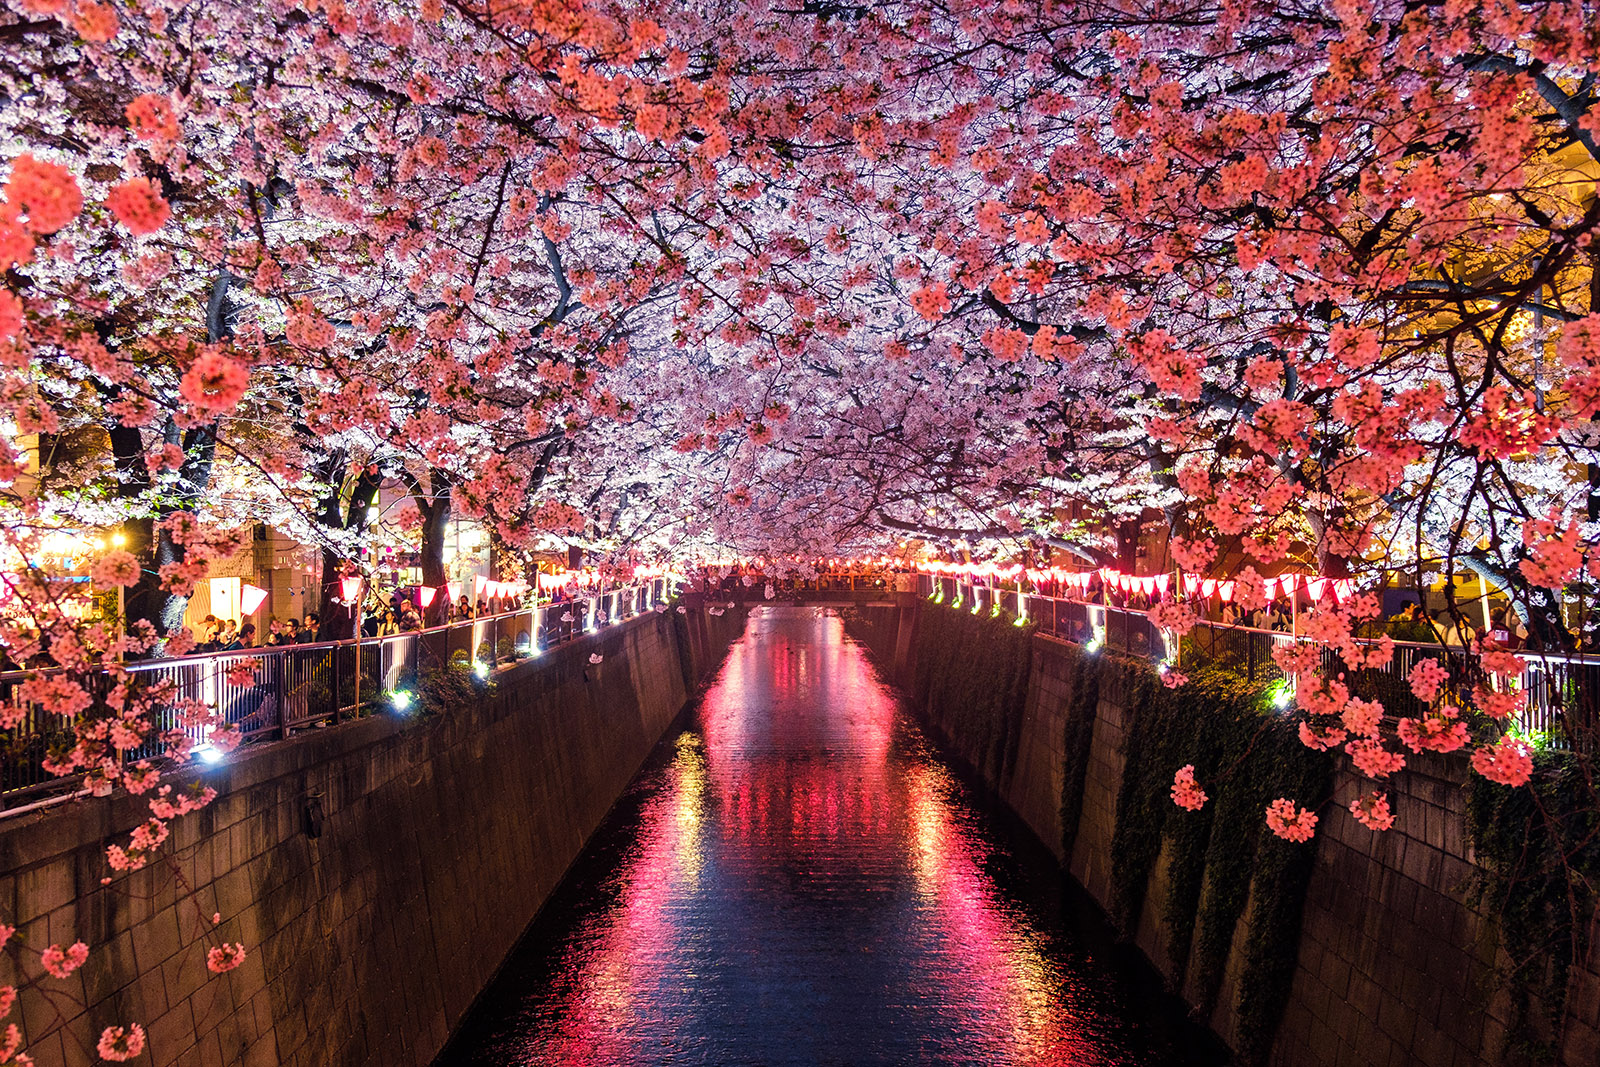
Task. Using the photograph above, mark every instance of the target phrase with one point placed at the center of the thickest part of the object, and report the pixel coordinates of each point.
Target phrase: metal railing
(1562, 689)
(269, 693)
(788, 589)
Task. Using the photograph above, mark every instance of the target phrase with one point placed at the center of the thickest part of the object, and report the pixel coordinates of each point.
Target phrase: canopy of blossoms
(1310, 284)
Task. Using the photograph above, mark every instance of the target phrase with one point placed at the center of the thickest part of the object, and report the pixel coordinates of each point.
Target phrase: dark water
(796, 879)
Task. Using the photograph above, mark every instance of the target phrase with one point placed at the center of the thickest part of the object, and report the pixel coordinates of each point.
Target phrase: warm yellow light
(119, 539)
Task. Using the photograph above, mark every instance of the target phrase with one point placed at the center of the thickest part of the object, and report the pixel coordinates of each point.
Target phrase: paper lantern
(350, 587)
(1269, 587)
(1161, 583)
(1147, 585)
(1191, 584)
(480, 584)
(250, 599)
(1343, 588)
(426, 595)
(1208, 587)
(1318, 587)
(1225, 590)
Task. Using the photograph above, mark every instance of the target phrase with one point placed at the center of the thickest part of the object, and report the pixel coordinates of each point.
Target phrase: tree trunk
(435, 528)
(148, 599)
(337, 621)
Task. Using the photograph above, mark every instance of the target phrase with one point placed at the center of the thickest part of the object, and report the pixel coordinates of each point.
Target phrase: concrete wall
(1395, 967)
(439, 840)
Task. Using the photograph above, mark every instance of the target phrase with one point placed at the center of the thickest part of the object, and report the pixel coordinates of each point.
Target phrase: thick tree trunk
(435, 529)
(338, 619)
(148, 599)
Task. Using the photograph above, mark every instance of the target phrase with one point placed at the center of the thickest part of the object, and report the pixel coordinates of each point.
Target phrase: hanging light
(426, 594)
(250, 599)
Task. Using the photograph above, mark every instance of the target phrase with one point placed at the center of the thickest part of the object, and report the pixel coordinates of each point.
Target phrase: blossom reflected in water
(801, 881)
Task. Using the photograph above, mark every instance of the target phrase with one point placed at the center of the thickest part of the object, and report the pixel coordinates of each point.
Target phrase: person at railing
(409, 619)
(381, 623)
(482, 608)
(288, 633)
(244, 638)
(1454, 633)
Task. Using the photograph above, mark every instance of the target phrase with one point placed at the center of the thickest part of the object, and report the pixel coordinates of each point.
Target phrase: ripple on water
(797, 879)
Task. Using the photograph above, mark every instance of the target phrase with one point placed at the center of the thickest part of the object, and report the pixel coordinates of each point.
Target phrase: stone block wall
(1395, 967)
(377, 872)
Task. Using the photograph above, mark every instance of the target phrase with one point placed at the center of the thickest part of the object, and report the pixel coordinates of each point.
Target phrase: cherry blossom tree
(1313, 283)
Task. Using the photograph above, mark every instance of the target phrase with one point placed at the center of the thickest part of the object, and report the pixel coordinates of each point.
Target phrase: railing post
(282, 695)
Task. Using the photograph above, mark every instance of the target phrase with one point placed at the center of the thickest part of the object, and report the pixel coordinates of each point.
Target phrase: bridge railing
(272, 692)
(1562, 689)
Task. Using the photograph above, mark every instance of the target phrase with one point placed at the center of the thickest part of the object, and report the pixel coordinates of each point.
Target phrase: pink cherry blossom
(1426, 677)
(121, 1043)
(62, 962)
(1439, 730)
(1372, 811)
(225, 957)
(1373, 759)
(115, 568)
(214, 383)
(1185, 792)
(1507, 761)
(1290, 822)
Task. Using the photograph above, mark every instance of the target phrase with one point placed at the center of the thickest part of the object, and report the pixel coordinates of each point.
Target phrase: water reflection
(800, 881)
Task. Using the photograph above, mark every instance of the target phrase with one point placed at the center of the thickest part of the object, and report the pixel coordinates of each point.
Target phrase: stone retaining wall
(377, 872)
(1394, 969)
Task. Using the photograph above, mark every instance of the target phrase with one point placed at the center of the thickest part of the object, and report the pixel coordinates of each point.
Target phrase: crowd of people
(397, 614)
(1505, 628)
(401, 614)
(226, 635)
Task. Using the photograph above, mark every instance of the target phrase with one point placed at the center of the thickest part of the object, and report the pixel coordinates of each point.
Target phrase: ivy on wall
(1538, 853)
(1081, 676)
(1222, 866)
(876, 628)
(1219, 860)
(971, 679)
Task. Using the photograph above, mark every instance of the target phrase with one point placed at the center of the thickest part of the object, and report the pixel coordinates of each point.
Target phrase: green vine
(971, 680)
(1219, 859)
(1082, 680)
(1538, 852)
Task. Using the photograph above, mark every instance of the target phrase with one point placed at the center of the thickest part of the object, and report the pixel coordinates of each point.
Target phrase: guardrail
(792, 589)
(298, 687)
(1562, 689)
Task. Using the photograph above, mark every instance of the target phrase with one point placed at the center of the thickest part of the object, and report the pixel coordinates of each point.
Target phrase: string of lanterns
(1147, 584)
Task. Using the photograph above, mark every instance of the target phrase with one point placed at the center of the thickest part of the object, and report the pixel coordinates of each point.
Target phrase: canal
(797, 878)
